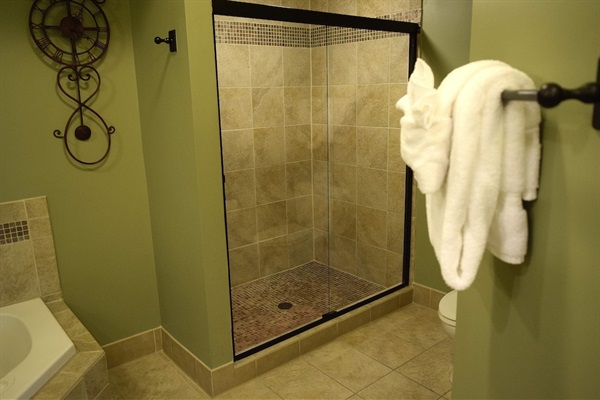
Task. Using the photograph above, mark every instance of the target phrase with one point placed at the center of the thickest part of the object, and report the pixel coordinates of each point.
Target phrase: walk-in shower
(318, 200)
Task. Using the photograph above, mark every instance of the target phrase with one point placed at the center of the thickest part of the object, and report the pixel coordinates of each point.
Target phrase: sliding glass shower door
(314, 183)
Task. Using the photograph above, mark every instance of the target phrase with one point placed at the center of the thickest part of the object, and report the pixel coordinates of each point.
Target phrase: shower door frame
(241, 9)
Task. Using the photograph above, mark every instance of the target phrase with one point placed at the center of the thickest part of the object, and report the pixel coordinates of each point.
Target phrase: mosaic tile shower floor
(312, 289)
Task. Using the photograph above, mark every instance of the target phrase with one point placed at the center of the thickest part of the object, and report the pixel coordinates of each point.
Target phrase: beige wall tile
(321, 213)
(343, 6)
(296, 66)
(342, 105)
(394, 263)
(300, 248)
(320, 178)
(297, 105)
(273, 255)
(394, 159)
(267, 107)
(243, 264)
(297, 143)
(241, 227)
(39, 227)
(394, 114)
(271, 220)
(299, 213)
(343, 254)
(341, 64)
(238, 149)
(240, 189)
(371, 144)
(233, 65)
(19, 279)
(266, 66)
(373, 62)
(319, 104)
(372, 105)
(319, 142)
(371, 263)
(270, 184)
(299, 178)
(318, 66)
(371, 226)
(96, 379)
(398, 61)
(374, 8)
(343, 145)
(46, 267)
(235, 105)
(371, 187)
(36, 207)
(396, 191)
(318, 336)
(343, 219)
(269, 146)
(321, 244)
(395, 232)
(278, 355)
(343, 182)
(12, 211)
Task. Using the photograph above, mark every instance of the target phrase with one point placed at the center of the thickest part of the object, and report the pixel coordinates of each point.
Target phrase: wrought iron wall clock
(74, 34)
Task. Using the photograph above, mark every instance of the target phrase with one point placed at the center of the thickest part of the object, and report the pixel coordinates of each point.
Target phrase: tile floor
(403, 355)
(312, 290)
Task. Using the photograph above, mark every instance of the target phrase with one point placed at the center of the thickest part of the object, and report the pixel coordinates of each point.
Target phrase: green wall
(444, 45)
(532, 331)
(181, 142)
(100, 216)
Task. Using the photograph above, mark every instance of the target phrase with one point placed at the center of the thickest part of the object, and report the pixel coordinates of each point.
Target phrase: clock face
(70, 32)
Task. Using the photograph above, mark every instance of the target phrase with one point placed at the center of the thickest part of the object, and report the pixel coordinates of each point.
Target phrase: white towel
(493, 161)
(427, 124)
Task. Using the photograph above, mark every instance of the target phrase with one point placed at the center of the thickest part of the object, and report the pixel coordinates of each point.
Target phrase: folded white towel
(492, 163)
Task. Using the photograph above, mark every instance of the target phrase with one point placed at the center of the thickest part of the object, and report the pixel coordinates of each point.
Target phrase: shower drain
(284, 306)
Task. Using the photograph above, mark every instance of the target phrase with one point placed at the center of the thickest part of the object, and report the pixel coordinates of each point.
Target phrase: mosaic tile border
(14, 232)
(251, 33)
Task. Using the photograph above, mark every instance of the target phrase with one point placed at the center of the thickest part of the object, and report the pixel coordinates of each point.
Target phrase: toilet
(447, 312)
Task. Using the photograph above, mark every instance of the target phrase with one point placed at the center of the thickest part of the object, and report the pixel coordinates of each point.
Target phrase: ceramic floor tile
(353, 369)
(300, 380)
(389, 349)
(136, 368)
(423, 331)
(254, 390)
(160, 382)
(432, 368)
(396, 386)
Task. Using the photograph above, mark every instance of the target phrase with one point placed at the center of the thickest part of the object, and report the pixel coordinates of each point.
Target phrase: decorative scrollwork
(79, 75)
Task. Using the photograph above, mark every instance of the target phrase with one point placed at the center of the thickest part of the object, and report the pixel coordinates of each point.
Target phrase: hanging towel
(427, 121)
(493, 160)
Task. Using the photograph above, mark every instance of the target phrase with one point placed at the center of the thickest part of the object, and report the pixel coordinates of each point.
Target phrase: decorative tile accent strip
(13, 232)
(236, 32)
(313, 289)
(233, 32)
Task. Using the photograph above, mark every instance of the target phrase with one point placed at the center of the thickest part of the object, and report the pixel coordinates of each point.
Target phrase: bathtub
(33, 347)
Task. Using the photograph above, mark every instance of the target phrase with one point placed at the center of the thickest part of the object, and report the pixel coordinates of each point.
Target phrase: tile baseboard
(218, 380)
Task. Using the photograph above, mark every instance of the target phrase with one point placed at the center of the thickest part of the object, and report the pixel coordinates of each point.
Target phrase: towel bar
(551, 94)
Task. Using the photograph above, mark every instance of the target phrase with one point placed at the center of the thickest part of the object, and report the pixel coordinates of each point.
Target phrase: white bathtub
(33, 347)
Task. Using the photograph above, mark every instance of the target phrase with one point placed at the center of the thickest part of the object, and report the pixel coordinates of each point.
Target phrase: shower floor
(311, 289)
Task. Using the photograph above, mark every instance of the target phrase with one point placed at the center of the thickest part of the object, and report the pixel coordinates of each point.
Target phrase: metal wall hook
(171, 40)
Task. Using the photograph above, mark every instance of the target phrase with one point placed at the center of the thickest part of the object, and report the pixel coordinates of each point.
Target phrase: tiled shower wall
(297, 102)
